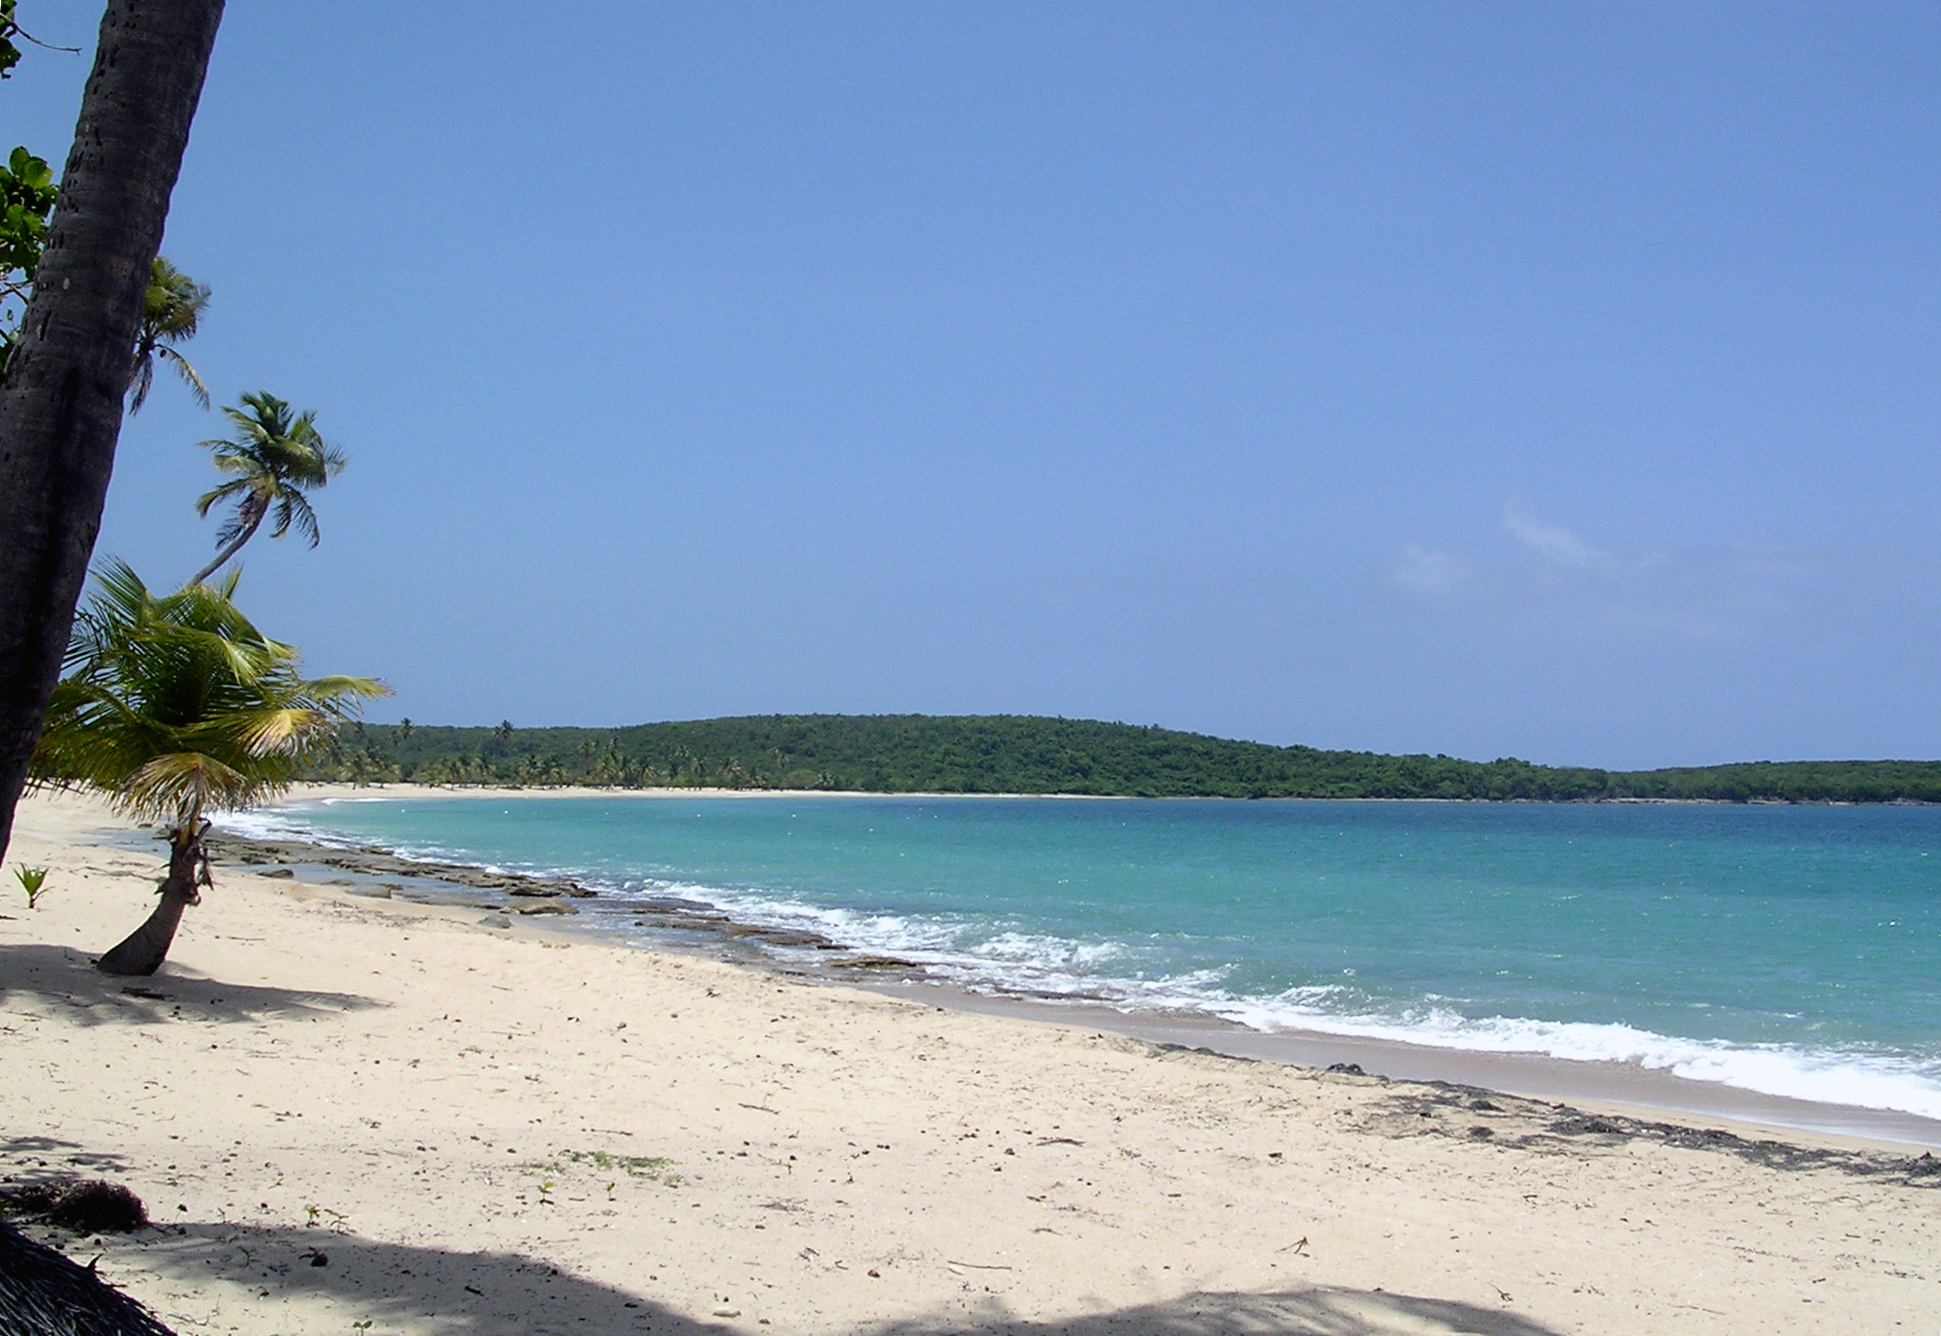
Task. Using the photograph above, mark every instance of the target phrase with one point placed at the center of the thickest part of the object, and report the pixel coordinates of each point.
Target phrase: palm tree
(61, 397)
(274, 457)
(171, 312)
(174, 707)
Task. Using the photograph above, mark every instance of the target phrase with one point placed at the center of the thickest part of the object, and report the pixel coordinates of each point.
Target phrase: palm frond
(219, 494)
(176, 704)
(144, 380)
(190, 376)
(249, 513)
(183, 785)
(292, 511)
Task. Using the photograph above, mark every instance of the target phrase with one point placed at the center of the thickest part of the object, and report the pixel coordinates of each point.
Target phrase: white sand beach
(348, 1114)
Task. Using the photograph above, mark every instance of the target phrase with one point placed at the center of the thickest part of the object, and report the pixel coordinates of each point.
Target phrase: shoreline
(1621, 1088)
(344, 791)
(355, 1113)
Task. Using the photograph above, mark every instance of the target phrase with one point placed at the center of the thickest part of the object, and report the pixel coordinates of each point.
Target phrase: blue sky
(1548, 380)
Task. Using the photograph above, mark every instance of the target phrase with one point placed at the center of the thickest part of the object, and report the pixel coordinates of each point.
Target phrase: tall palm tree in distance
(273, 458)
(171, 311)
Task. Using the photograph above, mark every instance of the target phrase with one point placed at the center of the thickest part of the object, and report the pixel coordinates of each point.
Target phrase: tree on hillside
(171, 312)
(61, 394)
(272, 459)
(174, 707)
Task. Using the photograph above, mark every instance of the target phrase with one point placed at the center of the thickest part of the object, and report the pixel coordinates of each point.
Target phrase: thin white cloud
(1423, 570)
(1554, 543)
(1695, 593)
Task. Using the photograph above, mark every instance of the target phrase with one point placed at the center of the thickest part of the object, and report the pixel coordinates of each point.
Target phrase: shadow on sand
(392, 1286)
(32, 1159)
(60, 974)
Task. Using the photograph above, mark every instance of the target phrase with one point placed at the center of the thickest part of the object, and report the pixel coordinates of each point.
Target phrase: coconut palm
(171, 312)
(273, 458)
(175, 707)
(61, 400)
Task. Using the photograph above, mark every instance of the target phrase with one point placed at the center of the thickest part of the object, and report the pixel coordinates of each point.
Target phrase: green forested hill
(1025, 754)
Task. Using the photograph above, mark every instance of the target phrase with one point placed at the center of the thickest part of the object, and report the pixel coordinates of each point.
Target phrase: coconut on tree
(175, 707)
(171, 313)
(274, 456)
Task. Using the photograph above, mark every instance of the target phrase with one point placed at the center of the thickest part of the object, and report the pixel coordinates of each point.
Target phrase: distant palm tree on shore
(275, 456)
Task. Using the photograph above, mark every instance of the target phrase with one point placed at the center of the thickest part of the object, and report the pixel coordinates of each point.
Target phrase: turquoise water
(1792, 950)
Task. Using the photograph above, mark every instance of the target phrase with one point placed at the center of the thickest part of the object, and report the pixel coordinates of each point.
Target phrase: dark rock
(1347, 1068)
(877, 963)
(1699, 1136)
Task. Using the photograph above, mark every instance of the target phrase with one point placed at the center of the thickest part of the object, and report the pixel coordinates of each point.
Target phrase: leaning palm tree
(171, 313)
(61, 398)
(273, 458)
(176, 706)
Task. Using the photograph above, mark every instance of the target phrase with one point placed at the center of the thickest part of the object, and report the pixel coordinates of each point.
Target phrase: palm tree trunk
(235, 546)
(61, 396)
(143, 950)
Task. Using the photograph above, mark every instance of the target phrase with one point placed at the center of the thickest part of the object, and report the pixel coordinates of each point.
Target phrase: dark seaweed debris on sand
(1439, 1107)
(82, 1205)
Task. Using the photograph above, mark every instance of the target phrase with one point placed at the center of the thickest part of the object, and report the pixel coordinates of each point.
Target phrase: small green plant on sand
(33, 880)
(653, 1168)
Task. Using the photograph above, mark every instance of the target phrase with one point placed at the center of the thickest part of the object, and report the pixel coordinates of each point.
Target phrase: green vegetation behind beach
(1027, 754)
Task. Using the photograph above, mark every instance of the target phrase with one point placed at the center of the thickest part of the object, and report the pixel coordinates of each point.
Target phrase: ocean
(1792, 951)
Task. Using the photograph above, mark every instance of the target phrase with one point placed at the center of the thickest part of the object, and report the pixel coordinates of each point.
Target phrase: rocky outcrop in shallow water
(546, 897)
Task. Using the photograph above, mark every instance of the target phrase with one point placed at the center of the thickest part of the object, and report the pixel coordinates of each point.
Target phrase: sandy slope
(498, 1131)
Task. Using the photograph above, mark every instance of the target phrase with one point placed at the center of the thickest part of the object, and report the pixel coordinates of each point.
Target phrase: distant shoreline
(338, 791)
(1027, 755)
